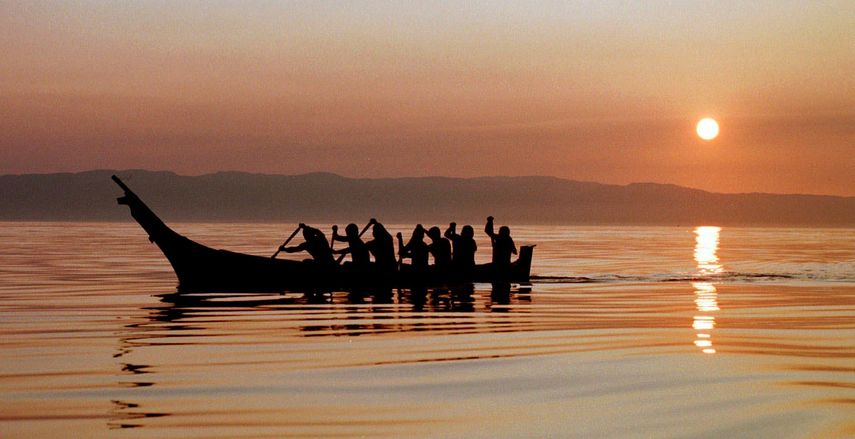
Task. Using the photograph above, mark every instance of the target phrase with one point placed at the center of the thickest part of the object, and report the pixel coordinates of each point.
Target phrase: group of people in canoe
(452, 252)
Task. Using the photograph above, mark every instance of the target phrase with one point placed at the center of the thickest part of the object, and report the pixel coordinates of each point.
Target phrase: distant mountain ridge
(238, 196)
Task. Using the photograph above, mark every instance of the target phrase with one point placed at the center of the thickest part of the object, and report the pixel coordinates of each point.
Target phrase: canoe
(200, 268)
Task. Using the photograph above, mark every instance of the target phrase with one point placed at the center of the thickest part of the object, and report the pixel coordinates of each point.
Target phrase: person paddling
(416, 249)
(382, 248)
(315, 243)
(357, 249)
(440, 249)
(503, 246)
(464, 246)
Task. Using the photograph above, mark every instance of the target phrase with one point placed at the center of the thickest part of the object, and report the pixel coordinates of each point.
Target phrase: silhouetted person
(463, 257)
(357, 249)
(439, 248)
(503, 246)
(416, 249)
(315, 243)
(382, 248)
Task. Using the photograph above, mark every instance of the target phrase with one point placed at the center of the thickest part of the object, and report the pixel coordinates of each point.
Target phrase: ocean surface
(680, 332)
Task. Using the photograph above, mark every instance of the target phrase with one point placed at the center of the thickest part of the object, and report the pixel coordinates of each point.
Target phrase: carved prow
(157, 230)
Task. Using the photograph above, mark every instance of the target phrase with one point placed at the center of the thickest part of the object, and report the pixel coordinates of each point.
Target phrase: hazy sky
(603, 90)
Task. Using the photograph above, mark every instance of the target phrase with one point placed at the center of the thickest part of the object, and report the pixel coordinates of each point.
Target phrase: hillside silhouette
(237, 196)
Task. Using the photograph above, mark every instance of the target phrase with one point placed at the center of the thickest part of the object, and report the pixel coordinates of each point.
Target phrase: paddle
(286, 241)
(364, 229)
(400, 249)
(401, 246)
(371, 222)
(332, 237)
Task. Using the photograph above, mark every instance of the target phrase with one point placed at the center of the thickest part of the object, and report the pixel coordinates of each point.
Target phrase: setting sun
(707, 128)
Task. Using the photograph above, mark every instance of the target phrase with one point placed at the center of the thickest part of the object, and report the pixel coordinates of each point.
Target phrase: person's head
(314, 235)
(504, 231)
(352, 230)
(467, 232)
(418, 232)
(434, 233)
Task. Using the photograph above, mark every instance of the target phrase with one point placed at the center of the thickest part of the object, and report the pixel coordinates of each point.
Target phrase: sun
(707, 128)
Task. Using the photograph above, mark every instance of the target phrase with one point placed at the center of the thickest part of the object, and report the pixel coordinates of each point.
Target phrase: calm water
(626, 332)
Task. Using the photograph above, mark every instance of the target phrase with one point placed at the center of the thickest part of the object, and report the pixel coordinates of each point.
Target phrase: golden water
(627, 332)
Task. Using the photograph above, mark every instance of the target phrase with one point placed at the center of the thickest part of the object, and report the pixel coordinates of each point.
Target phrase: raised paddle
(371, 222)
(364, 229)
(287, 241)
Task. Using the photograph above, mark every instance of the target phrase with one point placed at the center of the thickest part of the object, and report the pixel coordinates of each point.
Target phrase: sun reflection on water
(706, 296)
(706, 246)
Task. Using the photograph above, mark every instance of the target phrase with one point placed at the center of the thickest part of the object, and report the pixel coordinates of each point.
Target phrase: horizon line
(115, 170)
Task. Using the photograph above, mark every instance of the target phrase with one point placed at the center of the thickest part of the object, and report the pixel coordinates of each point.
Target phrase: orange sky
(603, 91)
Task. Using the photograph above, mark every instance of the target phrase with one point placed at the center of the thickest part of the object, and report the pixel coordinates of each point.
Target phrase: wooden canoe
(200, 268)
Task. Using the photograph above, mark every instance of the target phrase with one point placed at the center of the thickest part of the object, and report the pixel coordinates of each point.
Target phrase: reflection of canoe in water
(201, 268)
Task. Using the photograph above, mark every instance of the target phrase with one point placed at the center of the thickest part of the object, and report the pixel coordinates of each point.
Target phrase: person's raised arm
(488, 228)
(451, 231)
(337, 237)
